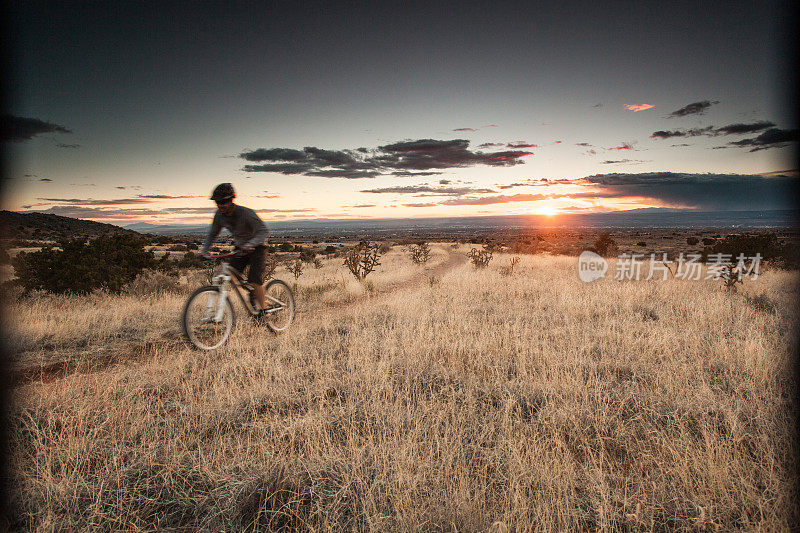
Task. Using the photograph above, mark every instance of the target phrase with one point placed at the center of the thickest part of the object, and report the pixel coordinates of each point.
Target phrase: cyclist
(249, 236)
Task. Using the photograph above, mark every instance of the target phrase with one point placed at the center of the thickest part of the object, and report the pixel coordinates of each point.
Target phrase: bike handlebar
(222, 256)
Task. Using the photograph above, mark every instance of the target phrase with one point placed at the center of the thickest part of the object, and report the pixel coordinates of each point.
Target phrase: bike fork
(223, 295)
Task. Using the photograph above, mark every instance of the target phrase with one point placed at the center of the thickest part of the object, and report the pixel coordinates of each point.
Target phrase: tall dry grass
(483, 401)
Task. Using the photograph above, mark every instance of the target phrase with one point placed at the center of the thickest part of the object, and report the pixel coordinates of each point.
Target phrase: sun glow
(547, 211)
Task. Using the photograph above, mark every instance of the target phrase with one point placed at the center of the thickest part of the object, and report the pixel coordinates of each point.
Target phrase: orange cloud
(638, 107)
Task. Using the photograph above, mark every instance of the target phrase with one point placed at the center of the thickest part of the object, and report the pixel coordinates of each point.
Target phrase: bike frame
(230, 277)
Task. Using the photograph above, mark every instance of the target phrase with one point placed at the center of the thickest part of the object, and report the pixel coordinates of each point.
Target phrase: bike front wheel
(279, 311)
(207, 322)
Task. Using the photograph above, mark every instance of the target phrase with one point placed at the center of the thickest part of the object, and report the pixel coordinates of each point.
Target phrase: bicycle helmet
(223, 191)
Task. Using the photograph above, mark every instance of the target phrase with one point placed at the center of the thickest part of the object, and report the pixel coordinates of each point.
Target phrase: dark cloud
(696, 108)
(444, 182)
(499, 199)
(683, 133)
(405, 173)
(490, 145)
(597, 105)
(140, 199)
(737, 129)
(465, 129)
(710, 131)
(772, 138)
(427, 190)
(92, 201)
(98, 213)
(165, 196)
(698, 191)
(62, 145)
(703, 191)
(584, 144)
(416, 157)
(45, 179)
(521, 144)
(17, 129)
(348, 174)
(360, 205)
(428, 204)
(613, 162)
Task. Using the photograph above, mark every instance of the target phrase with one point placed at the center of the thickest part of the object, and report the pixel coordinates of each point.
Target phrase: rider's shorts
(256, 259)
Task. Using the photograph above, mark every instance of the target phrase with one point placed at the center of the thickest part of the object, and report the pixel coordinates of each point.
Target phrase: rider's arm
(216, 227)
(260, 231)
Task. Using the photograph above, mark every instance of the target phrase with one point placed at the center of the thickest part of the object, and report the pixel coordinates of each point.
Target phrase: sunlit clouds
(638, 107)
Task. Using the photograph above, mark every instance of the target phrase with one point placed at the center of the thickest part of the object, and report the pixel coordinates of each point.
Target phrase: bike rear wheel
(279, 311)
(201, 324)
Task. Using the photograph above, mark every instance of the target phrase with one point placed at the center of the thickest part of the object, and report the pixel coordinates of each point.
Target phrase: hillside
(41, 226)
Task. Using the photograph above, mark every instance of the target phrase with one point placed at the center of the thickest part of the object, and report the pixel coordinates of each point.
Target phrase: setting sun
(547, 211)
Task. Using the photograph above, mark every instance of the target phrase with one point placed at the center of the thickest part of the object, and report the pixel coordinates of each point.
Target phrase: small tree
(420, 252)
(108, 262)
(270, 264)
(295, 267)
(362, 259)
(605, 245)
(480, 258)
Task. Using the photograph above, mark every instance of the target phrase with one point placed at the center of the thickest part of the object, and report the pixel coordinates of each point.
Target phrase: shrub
(362, 259)
(692, 241)
(108, 262)
(307, 256)
(420, 252)
(295, 267)
(765, 243)
(190, 260)
(605, 245)
(177, 248)
(4, 257)
(385, 247)
(480, 258)
(763, 303)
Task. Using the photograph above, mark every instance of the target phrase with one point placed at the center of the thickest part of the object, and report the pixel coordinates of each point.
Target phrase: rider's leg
(256, 273)
(258, 290)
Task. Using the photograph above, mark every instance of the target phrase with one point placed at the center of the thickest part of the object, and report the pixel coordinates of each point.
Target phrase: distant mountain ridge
(635, 218)
(45, 226)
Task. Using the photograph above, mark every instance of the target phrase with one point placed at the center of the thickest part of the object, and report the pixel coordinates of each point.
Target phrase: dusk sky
(133, 112)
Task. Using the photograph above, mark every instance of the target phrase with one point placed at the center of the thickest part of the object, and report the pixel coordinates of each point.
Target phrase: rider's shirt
(244, 224)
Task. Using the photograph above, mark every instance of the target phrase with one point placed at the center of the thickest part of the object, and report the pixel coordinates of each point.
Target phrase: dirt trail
(453, 260)
(92, 361)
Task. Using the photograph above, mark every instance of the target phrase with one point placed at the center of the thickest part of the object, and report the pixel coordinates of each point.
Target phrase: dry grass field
(431, 398)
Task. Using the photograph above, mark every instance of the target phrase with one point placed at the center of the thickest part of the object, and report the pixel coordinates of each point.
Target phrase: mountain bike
(208, 315)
